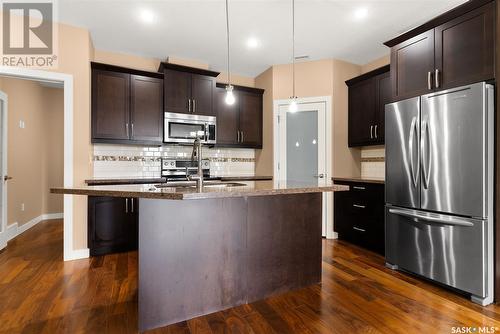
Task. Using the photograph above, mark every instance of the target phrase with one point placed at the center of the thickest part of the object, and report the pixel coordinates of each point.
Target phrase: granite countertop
(359, 179)
(148, 180)
(248, 188)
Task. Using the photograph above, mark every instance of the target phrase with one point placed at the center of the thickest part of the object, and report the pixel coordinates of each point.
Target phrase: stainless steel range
(439, 188)
(176, 170)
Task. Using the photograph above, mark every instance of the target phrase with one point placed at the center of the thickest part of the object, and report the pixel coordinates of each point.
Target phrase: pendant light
(293, 104)
(229, 99)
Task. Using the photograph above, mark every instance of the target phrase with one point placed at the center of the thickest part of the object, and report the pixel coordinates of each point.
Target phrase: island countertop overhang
(253, 188)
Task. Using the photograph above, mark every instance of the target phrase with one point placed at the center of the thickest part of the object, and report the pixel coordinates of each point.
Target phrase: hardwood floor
(39, 293)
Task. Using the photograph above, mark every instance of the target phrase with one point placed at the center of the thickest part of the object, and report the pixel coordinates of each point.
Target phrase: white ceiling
(195, 29)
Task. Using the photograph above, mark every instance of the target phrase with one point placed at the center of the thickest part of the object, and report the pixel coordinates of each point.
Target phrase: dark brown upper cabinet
(127, 105)
(368, 95)
(189, 90)
(413, 65)
(146, 108)
(454, 49)
(240, 124)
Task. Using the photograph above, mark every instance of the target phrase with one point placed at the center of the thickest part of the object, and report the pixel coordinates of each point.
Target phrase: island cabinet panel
(359, 215)
(146, 108)
(127, 105)
(284, 238)
(112, 225)
(452, 50)
(368, 95)
(240, 124)
(110, 105)
(201, 256)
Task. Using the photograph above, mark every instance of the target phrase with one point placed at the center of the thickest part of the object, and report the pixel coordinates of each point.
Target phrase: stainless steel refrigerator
(439, 188)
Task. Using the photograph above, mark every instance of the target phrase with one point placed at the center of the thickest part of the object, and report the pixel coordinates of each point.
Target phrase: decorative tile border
(373, 159)
(158, 159)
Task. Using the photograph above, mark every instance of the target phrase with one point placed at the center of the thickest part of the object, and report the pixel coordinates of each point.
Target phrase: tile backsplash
(373, 162)
(142, 161)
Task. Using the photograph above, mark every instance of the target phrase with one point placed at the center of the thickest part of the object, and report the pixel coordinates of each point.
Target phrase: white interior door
(302, 148)
(3, 170)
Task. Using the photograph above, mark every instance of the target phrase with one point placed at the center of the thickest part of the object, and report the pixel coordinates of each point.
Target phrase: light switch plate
(22, 124)
(22, 206)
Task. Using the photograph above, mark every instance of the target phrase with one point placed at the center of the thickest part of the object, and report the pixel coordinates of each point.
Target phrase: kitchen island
(226, 245)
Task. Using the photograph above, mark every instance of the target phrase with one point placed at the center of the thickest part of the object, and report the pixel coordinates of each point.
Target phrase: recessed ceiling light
(253, 43)
(147, 16)
(361, 13)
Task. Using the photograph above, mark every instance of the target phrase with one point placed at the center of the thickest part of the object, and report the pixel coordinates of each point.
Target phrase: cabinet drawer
(359, 215)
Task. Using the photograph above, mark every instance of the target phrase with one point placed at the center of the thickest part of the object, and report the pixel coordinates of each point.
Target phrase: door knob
(319, 176)
(7, 178)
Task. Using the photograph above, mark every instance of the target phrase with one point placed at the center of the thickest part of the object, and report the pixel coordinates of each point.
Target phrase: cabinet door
(227, 118)
(412, 66)
(203, 90)
(465, 48)
(250, 119)
(146, 109)
(112, 225)
(362, 104)
(110, 105)
(383, 86)
(177, 91)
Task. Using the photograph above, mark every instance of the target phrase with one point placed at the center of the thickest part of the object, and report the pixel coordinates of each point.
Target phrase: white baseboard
(15, 229)
(11, 232)
(77, 254)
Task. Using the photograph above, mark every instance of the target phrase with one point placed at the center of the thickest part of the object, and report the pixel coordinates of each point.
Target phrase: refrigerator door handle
(435, 218)
(413, 130)
(426, 156)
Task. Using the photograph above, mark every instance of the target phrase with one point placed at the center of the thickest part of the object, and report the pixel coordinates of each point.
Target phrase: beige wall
(264, 157)
(382, 61)
(314, 78)
(35, 153)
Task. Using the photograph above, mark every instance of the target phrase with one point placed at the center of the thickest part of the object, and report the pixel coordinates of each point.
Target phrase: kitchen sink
(206, 184)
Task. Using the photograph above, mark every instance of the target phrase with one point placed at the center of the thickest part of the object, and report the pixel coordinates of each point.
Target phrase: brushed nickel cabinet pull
(189, 105)
(371, 131)
(376, 132)
(126, 205)
(132, 205)
(132, 131)
(358, 188)
(358, 229)
(429, 80)
(194, 105)
(436, 79)
(359, 206)
(126, 128)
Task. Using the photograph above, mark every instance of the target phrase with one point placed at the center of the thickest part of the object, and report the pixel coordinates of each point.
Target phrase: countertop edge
(358, 179)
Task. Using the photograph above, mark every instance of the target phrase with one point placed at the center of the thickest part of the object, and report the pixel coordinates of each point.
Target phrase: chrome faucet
(198, 177)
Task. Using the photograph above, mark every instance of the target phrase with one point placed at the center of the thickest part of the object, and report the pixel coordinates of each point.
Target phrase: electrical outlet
(22, 206)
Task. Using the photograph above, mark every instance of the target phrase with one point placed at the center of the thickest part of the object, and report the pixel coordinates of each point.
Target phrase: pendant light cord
(293, 47)
(227, 34)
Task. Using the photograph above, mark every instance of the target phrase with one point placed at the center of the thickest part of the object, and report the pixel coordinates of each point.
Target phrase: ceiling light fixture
(230, 99)
(293, 103)
(147, 16)
(361, 13)
(253, 43)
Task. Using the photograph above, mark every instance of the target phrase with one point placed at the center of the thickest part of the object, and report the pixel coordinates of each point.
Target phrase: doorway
(3, 170)
(303, 148)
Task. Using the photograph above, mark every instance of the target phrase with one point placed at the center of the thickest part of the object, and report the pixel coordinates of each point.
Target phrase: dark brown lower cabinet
(359, 215)
(112, 225)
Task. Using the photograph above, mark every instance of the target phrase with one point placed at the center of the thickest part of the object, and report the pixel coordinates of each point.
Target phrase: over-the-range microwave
(183, 128)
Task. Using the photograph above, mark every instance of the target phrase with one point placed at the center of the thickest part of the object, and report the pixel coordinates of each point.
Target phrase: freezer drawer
(448, 249)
